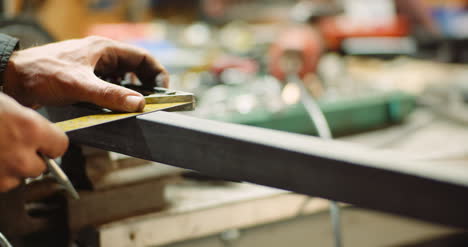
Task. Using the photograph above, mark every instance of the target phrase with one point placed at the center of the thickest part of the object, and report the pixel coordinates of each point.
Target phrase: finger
(55, 142)
(109, 95)
(44, 136)
(8, 183)
(27, 165)
(142, 63)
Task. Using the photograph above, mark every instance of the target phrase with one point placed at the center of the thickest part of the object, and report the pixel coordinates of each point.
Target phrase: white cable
(323, 129)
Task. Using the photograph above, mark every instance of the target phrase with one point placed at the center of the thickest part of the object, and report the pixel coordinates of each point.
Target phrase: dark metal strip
(303, 164)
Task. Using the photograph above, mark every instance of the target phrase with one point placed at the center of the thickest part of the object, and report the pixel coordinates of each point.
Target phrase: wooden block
(103, 206)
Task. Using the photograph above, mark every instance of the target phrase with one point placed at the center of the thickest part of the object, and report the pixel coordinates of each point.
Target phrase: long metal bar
(328, 169)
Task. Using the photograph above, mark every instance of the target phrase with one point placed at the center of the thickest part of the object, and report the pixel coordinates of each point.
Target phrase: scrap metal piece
(329, 169)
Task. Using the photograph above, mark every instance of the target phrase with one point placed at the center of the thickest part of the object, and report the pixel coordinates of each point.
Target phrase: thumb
(111, 96)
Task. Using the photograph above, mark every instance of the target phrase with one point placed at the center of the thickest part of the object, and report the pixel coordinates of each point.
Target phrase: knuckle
(32, 128)
(61, 146)
(100, 41)
(31, 168)
(109, 49)
(3, 186)
(109, 92)
(25, 164)
(24, 133)
(7, 183)
(36, 171)
(21, 165)
(95, 38)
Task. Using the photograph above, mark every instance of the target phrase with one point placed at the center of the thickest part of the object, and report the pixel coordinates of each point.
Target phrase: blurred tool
(293, 62)
(4, 242)
(158, 99)
(449, 101)
(60, 176)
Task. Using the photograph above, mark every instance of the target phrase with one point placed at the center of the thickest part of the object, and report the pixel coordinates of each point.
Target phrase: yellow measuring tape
(92, 120)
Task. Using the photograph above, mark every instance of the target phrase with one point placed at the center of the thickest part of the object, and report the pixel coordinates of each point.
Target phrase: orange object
(337, 29)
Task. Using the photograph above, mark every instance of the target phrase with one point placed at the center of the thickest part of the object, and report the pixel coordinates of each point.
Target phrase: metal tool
(4, 242)
(60, 176)
(161, 99)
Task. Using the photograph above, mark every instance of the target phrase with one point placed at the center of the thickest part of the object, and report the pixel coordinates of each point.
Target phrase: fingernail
(160, 80)
(134, 103)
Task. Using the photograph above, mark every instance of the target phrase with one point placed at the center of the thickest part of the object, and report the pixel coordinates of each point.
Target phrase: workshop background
(390, 75)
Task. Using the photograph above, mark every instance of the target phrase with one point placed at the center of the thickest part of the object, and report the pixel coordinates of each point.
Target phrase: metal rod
(4, 241)
(335, 214)
(60, 176)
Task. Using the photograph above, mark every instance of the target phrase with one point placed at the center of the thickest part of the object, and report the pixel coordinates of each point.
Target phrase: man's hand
(65, 72)
(24, 133)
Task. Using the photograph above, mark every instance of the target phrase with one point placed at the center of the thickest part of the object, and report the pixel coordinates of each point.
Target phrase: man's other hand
(65, 72)
(24, 133)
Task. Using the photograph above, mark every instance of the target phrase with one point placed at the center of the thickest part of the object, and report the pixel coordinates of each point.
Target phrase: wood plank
(195, 215)
(97, 207)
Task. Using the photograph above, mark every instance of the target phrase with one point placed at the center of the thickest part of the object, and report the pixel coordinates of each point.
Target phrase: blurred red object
(303, 39)
(338, 28)
(245, 65)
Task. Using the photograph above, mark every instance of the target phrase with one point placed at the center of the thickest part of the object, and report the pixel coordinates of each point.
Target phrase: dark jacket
(7, 46)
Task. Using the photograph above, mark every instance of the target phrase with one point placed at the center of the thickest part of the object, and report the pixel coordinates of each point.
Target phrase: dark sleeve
(7, 46)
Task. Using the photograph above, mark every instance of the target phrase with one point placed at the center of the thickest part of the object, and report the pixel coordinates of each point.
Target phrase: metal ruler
(163, 99)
